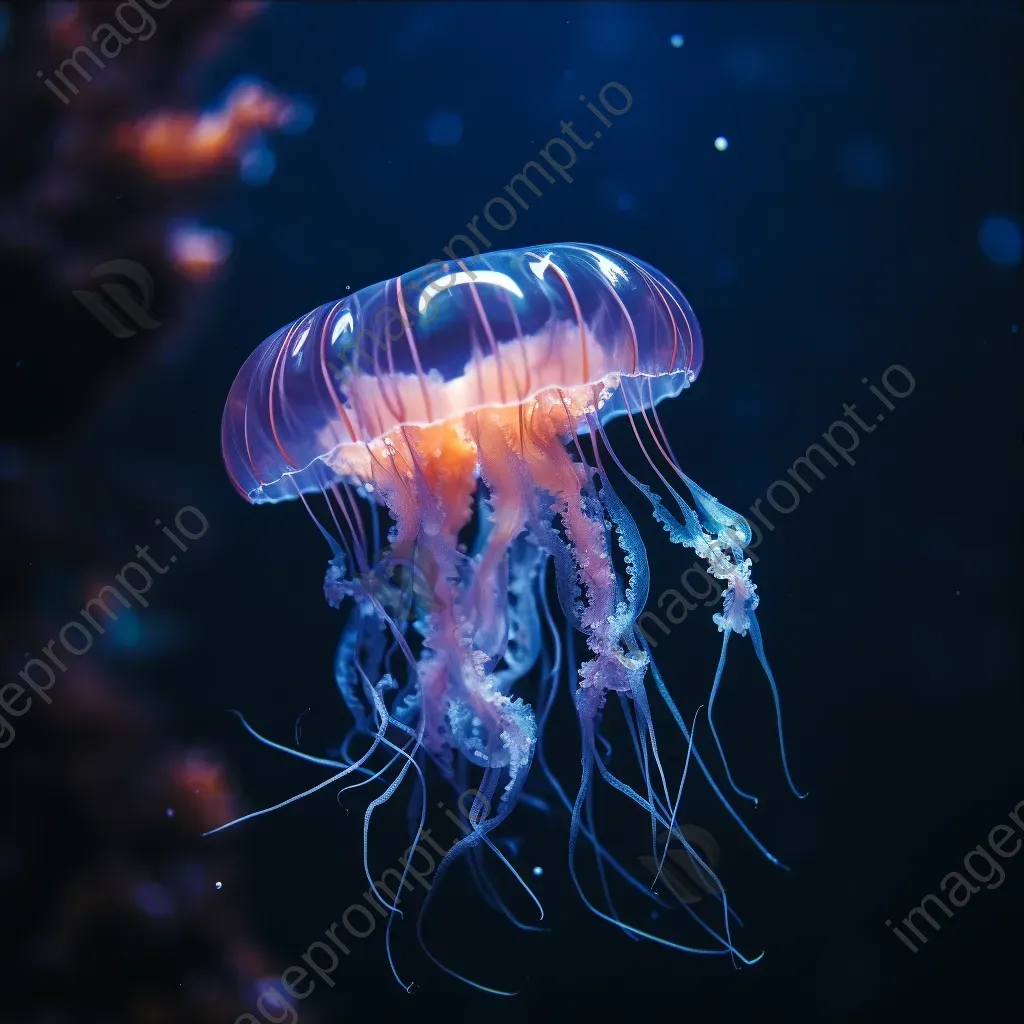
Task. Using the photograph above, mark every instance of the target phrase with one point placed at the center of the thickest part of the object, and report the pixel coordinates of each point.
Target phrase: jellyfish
(446, 431)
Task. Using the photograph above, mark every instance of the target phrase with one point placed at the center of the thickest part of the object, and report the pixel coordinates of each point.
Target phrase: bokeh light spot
(1000, 240)
(444, 129)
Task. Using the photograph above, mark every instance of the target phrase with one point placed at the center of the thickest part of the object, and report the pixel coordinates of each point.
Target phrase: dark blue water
(837, 190)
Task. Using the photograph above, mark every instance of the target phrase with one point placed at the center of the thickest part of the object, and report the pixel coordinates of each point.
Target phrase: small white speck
(721, 143)
(218, 885)
(958, 593)
(677, 40)
(538, 871)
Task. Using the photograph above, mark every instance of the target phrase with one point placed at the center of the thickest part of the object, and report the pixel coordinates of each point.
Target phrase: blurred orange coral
(175, 145)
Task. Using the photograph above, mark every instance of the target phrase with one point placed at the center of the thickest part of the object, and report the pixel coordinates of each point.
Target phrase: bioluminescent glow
(467, 403)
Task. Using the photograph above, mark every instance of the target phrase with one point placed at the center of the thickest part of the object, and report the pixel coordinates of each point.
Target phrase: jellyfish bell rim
(312, 477)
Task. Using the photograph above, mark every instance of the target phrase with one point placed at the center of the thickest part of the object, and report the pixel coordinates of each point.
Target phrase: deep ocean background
(839, 233)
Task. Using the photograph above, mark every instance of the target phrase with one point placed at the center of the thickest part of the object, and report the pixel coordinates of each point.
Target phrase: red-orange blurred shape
(203, 782)
(198, 253)
(183, 145)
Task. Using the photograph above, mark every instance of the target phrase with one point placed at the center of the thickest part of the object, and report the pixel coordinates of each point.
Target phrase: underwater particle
(721, 143)
(382, 172)
(444, 129)
(677, 40)
(624, 202)
(354, 78)
(538, 871)
(218, 885)
(169, 812)
(1000, 240)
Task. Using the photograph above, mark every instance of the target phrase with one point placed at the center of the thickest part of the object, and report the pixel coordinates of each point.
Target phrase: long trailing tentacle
(586, 718)
(659, 682)
(755, 636)
(664, 818)
(726, 633)
(299, 796)
(479, 831)
(724, 553)
(548, 693)
(679, 797)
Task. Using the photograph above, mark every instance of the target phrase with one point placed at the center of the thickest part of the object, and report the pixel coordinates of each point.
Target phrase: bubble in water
(1000, 240)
